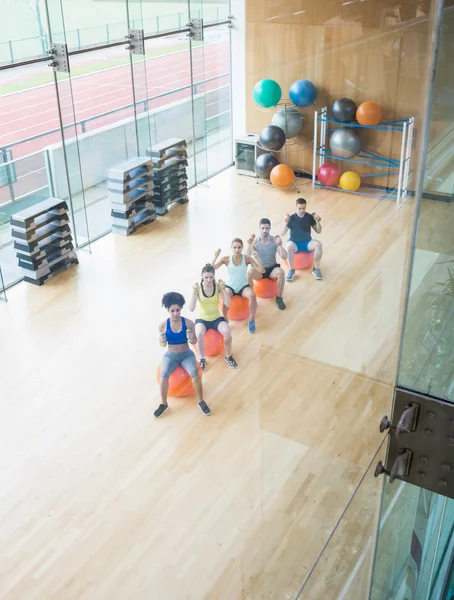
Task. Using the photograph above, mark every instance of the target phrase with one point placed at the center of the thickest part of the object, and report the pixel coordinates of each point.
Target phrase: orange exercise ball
(239, 309)
(368, 113)
(303, 260)
(282, 176)
(214, 342)
(265, 288)
(180, 382)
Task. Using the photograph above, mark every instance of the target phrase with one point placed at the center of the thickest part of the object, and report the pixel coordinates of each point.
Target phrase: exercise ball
(368, 113)
(345, 142)
(302, 92)
(272, 138)
(282, 176)
(289, 120)
(239, 309)
(265, 288)
(350, 181)
(302, 260)
(266, 93)
(344, 110)
(264, 164)
(214, 342)
(329, 174)
(180, 382)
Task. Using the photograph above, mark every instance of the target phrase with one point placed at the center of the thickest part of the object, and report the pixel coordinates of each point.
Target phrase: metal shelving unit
(399, 167)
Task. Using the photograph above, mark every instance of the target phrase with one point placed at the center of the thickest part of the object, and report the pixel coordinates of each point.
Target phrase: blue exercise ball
(264, 164)
(272, 138)
(302, 92)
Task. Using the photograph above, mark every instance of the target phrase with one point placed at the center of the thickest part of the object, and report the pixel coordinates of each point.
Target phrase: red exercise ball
(368, 113)
(214, 342)
(180, 382)
(329, 174)
(265, 288)
(239, 309)
(282, 176)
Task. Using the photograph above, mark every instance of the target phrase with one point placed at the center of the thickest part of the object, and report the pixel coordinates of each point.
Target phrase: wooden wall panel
(365, 51)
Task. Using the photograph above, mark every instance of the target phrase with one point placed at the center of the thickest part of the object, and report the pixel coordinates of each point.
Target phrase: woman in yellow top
(207, 294)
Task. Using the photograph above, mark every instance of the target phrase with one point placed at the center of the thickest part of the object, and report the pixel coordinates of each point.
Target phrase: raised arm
(280, 248)
(162, 334)
(255, 262)
(317, 227)
(286, 229)
(195, 294)
(250, 246)
(226, 299)
(218, 262)
(190, 331)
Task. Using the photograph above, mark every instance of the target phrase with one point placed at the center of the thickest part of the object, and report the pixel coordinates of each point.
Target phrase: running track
(33, 112)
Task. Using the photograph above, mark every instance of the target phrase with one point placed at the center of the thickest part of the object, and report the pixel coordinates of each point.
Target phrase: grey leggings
(172, 360)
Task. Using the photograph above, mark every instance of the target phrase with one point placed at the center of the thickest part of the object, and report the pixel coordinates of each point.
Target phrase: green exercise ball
(267, 93)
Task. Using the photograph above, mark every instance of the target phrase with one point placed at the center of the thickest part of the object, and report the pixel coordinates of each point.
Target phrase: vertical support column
(408, 155)
(401, 163)
(314, 158)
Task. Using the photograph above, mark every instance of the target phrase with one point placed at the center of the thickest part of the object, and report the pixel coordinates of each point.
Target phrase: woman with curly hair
(175, 333)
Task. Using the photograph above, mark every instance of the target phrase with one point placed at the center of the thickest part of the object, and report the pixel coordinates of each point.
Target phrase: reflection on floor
(101, 501)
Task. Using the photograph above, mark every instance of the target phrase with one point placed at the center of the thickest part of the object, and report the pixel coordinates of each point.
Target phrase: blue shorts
(302, 246)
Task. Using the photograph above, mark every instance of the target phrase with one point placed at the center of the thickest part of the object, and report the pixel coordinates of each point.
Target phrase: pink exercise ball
(329, 174)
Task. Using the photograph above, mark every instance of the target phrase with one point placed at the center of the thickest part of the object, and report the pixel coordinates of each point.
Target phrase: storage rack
(401, 166)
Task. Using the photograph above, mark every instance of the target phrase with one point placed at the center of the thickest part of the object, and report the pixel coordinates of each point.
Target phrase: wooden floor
(100, 501)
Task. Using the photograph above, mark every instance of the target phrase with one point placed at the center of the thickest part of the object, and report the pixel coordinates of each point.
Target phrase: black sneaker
(160, 410)
(205, 408)
(203, 363)
(280, 303)
(231, 362)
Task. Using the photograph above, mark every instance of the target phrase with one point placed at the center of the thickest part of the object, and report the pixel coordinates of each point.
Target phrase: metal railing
(30, 175)
(12, 51)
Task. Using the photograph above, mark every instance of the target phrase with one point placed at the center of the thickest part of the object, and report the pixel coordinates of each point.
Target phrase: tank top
(237, 275)
(176, 338)
(266, 252)
(208, 305)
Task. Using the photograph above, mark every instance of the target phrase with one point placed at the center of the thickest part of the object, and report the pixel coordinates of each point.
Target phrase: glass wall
(62, 132)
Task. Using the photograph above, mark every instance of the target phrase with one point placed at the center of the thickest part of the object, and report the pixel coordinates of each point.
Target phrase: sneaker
(251, 326)
(203, 363)
(290, 275)
(280, 303)
(231, 362)
(160, 410)
(317, 274)
(205, 408)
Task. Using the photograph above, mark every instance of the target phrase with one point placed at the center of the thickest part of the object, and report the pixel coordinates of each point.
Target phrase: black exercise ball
(344, 110)
(264, 164)
(272, 137)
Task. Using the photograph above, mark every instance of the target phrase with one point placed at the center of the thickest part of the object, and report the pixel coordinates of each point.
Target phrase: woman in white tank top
(237, 283)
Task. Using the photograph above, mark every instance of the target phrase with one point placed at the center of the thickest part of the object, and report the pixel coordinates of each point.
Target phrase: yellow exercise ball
(350, 181)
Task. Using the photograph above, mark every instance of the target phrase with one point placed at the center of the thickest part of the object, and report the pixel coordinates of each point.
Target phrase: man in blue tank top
(267, 246)
(237, 283)
(300, 224)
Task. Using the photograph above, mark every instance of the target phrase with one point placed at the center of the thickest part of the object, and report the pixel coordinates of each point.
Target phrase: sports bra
(176, 338)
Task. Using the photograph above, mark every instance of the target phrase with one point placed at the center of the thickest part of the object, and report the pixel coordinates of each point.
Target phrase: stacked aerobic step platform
(131, 194)
(170, 160)
(43, 240)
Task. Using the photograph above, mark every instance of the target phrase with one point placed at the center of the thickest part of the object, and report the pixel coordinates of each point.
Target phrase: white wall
(110, 145)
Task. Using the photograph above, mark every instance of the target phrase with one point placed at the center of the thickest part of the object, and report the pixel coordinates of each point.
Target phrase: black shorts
(269, 270)
(240, 292)
(211, 324)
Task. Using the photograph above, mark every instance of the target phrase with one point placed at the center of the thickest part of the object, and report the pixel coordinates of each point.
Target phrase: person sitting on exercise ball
(176, 332)
(300, 224)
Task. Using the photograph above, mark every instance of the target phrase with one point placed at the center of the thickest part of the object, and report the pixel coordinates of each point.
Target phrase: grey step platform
(53, 273)
(128, 186)
(44, 258)
(27, 217)
(52, 266)
(39, 221)
(136, 209)
(131, 169)
(58, 239)
(145, 220)
(162, 149)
